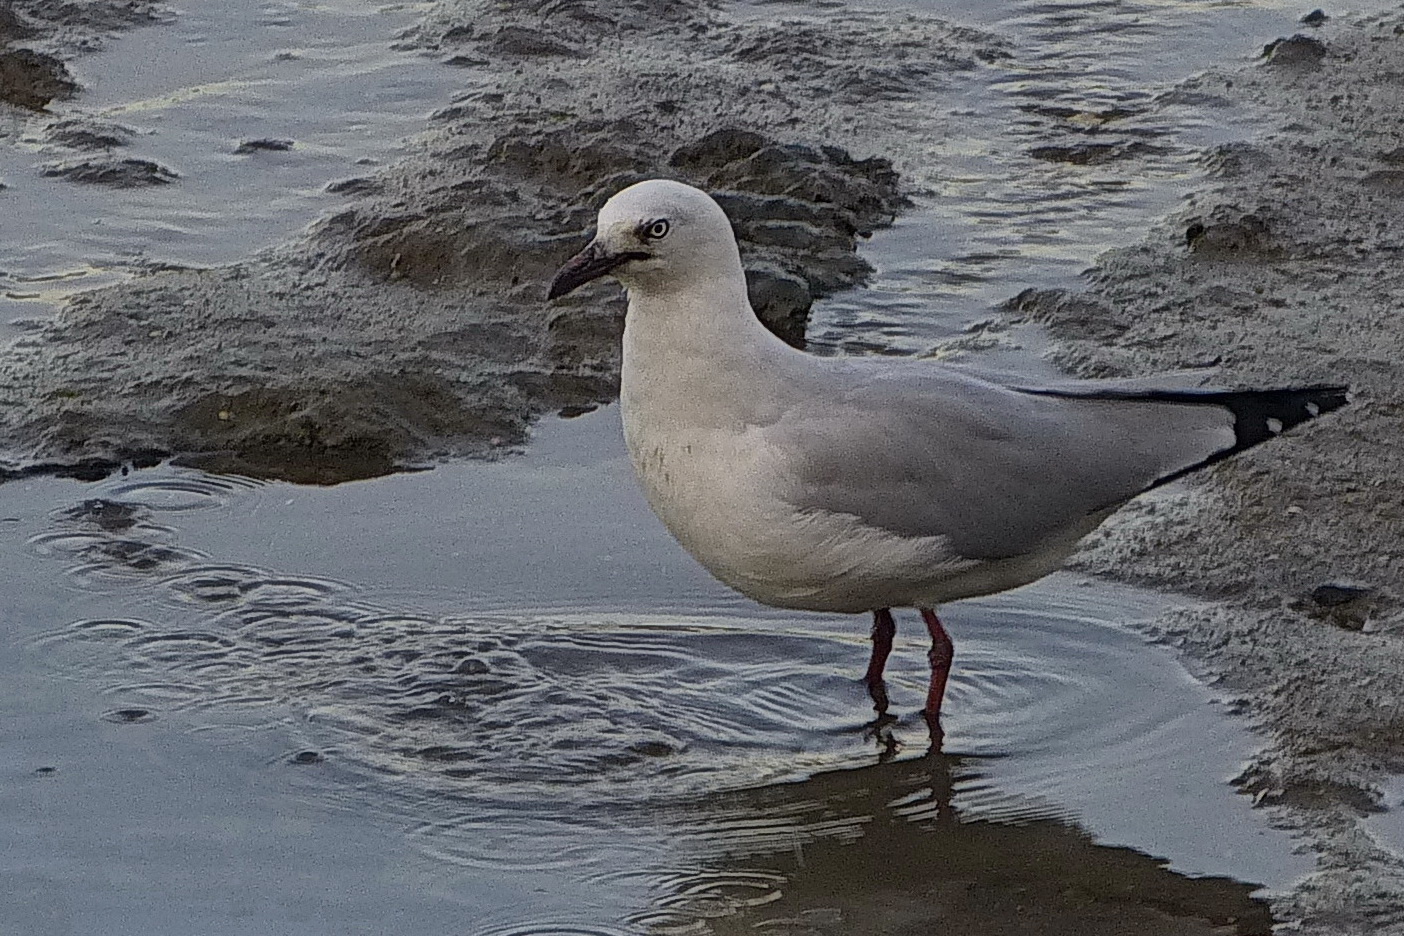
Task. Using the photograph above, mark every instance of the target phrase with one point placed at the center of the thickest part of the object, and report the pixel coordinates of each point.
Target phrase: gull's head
(654, 235)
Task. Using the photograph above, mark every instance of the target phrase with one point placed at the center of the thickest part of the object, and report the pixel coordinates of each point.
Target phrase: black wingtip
(1258, 415)
(1261, 414)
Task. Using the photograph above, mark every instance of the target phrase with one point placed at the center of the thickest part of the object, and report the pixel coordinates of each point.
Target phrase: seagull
(863, 484)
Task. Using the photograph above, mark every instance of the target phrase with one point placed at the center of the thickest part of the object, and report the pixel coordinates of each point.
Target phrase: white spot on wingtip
(1313, 410)
(1274, 426)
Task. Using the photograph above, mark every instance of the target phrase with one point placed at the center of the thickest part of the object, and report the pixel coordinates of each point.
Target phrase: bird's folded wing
(931, 452)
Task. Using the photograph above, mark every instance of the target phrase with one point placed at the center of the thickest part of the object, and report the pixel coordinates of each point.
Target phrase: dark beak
(591, 263)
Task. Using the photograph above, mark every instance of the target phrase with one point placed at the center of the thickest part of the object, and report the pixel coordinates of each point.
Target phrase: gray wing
(922, 450)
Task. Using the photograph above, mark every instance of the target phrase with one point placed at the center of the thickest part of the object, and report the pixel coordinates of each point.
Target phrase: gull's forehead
(647, 201)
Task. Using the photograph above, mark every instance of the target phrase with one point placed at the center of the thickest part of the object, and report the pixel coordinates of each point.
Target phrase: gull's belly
(717, 498)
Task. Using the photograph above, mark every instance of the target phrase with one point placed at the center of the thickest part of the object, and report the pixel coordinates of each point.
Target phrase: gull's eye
(657, 230)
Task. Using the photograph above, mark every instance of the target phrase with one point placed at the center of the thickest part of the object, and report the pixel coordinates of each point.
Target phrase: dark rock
(357, 186)
(118, 173)
(268, 146)
(518, 40)
(303, 758)
(86, 21)
(798, 236)
(781, 300)
(1299, 51)
(745, 208)
(717, 149)
(84, 134)
(867, 187)
(1314, 18)
(32, 79)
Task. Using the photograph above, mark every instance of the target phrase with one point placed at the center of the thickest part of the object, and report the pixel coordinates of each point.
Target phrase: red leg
(942, 652)
(884, 629)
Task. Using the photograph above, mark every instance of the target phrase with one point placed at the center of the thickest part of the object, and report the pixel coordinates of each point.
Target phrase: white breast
(716, 493)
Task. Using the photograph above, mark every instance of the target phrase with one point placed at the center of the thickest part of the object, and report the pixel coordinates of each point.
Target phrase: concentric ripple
(180, 490)
(495, 708)
(553, 929)
(559, 742)
(516, 712)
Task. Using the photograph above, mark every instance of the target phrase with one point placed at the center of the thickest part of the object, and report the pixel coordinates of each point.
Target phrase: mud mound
(117, 173)
(411, 324)
(34, 75)
(797, 211)
(80, 26)
(88, 134)
(30, 79)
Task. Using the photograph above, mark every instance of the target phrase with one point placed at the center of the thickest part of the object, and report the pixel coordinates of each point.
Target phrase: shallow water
(322, 76)
(496, 697)
(497, 706)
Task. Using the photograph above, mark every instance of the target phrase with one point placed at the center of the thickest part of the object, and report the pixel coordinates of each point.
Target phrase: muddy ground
(1289, 269)
(410, 324)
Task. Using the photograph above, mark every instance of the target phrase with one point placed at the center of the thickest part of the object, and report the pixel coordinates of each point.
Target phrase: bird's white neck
(688, 352)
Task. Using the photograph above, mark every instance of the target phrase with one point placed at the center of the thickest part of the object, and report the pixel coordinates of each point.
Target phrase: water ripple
(181, 491)
(533, 928)
(475, 728)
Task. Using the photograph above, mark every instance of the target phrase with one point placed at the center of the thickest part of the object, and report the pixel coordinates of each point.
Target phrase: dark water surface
(321, 77)
(496, 697)
(531, 707)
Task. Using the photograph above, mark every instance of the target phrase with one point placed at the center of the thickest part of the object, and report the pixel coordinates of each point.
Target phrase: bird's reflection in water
(924, 846)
